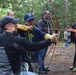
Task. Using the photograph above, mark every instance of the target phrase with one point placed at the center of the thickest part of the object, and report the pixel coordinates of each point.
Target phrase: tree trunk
(66, 10)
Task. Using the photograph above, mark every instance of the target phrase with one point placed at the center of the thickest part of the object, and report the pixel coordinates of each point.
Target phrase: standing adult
(44, 25)
(66, 39)
(73, 40)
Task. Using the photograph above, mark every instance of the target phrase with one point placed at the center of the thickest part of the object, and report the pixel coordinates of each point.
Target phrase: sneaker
(46, 69)
(42, 72)
(74, 70)
(65, 47)
(71, 68)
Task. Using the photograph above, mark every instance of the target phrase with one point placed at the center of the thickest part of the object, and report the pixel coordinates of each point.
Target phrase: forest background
(57, 9)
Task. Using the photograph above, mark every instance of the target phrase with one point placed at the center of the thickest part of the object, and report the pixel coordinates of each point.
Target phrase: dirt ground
(62, 61)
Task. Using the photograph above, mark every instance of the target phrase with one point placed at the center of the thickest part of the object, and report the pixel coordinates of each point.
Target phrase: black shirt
(10, 51)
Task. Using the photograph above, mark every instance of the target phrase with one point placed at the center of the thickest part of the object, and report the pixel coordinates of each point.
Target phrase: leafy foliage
(20, 7)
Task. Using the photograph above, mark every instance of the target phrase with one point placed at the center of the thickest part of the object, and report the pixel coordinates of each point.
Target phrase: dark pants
(74, 63)
(41, 56)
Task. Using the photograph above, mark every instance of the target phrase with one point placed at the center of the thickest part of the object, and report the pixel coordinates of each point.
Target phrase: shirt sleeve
(31, 46)
(39, 33)
(22, 27)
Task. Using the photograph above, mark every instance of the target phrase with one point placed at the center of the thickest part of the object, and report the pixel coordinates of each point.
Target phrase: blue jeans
(41, 56)
(66, 43)
(27, 73)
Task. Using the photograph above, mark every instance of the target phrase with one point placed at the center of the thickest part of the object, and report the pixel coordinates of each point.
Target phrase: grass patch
(61, 43)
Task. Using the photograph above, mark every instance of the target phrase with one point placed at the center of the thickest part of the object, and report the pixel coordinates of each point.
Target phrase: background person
(45, 26)
(66, 39)
(10, 13)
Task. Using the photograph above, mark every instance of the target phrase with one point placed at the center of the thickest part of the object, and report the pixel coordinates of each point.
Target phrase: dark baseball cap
(74, 26)
(28, 16)
(7, 19)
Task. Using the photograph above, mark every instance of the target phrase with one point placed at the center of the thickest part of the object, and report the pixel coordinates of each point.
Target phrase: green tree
(20, 7)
